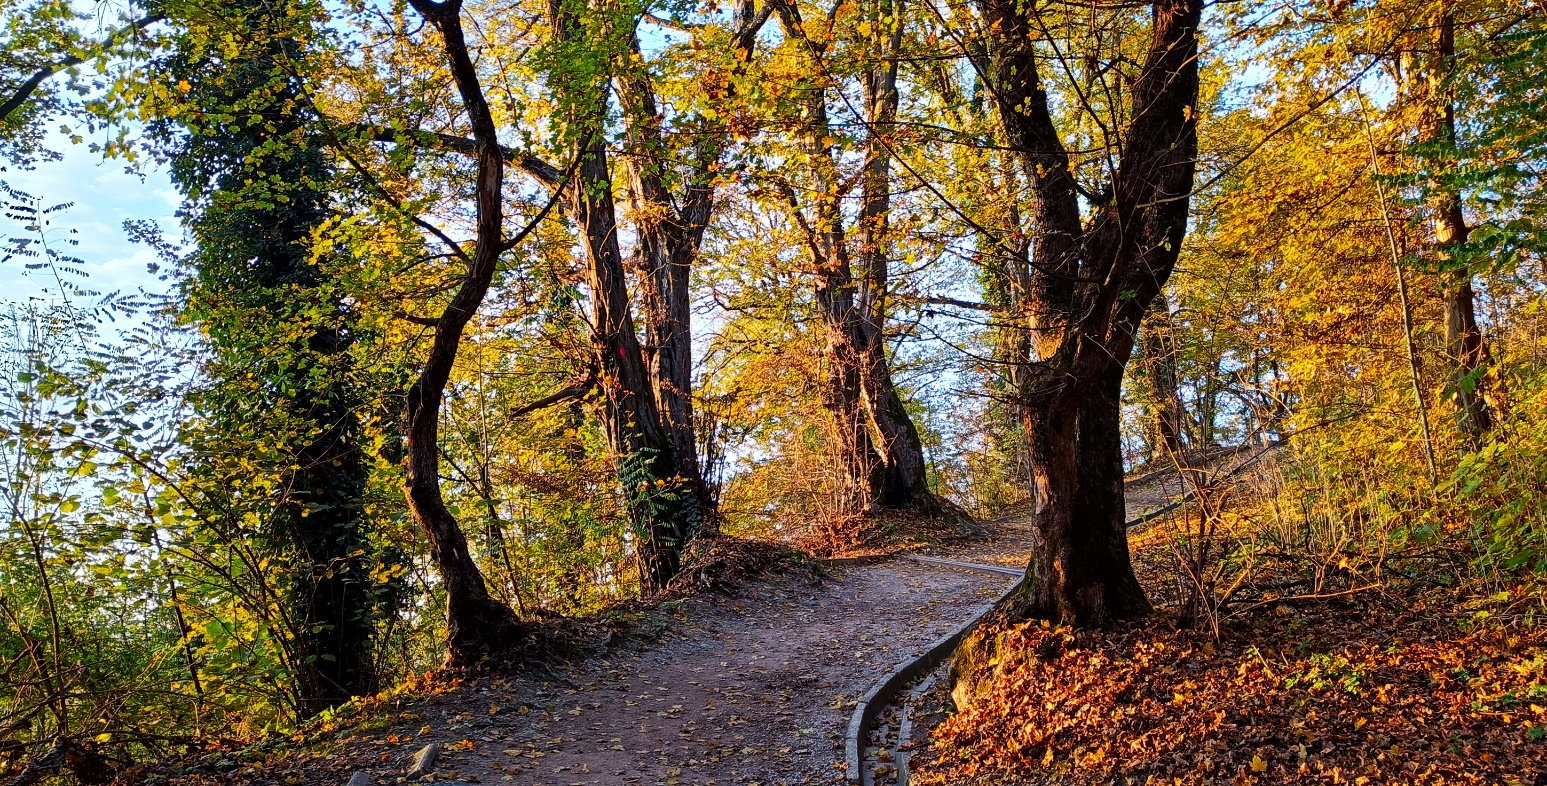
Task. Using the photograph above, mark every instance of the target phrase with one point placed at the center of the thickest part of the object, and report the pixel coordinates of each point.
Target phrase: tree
(665, 507)
(670, 229)
(905, 478)
(1093, 278)
(874, 438)
(1431, 78)
(244, 148)
(477, 625)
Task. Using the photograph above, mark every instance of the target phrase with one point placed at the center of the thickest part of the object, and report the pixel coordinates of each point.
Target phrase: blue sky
(104, 196)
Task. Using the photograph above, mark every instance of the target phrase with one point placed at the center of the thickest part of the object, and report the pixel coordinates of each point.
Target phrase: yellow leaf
(1259, 764)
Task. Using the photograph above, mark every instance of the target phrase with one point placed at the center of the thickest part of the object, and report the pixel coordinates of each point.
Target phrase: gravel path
(753, 689)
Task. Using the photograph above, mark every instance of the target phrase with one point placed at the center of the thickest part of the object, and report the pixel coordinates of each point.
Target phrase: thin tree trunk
(477, 625)
(1466, 349)
(905, 479)
(1007, 286)
(1403, 301)
(1160, 361)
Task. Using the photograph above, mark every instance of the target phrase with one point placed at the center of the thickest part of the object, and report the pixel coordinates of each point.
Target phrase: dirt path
(755, 689)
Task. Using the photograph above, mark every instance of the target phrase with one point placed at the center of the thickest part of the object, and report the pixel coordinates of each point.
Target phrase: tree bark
(1466, 349)
(477, 625)
(1007, 284)
(664, 506)
(668, 242)
(861, 470)
(1081, 570)
(1091, 283)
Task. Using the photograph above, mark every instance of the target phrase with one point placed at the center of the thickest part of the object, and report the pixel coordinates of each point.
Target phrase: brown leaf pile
(1392, 690)
(721, 563)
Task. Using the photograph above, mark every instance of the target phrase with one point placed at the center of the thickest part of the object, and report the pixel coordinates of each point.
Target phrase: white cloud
(104, 196)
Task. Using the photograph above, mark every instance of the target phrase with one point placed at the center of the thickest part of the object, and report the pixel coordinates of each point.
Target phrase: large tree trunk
(670, 233)
(1093, 281)
(664, 507)
(338, 661)
(477, 625)
(858, 394)
(1081, 570)
(860, 470)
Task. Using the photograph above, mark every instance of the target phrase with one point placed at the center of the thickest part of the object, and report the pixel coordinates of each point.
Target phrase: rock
(359, 779)
(424, 761)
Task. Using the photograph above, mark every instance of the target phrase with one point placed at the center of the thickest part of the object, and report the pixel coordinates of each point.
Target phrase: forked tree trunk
(860, 469)
(664, 507)
(858, 393)
(1093, 282)
(669, 234)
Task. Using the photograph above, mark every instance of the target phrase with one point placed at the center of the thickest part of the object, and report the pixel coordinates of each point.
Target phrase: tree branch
(27, 88)
(543, 171)
(968, 304)
(564, 394)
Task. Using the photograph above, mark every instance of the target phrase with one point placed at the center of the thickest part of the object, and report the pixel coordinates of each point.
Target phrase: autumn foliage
(1386, 688)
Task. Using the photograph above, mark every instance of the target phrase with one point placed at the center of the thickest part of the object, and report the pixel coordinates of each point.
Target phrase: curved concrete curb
(951, 563)
(881, 695)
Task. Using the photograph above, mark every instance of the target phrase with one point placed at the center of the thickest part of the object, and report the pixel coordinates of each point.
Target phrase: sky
(104, 196)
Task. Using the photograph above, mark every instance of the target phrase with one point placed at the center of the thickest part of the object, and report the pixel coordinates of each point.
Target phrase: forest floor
(1405, 675)
(751, 687)
(1400, 686)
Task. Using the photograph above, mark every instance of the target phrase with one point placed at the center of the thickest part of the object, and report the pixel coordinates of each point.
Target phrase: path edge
(871, 704)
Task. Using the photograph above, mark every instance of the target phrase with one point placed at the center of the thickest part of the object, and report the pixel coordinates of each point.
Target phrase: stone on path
(359, 779)
(424, 761)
